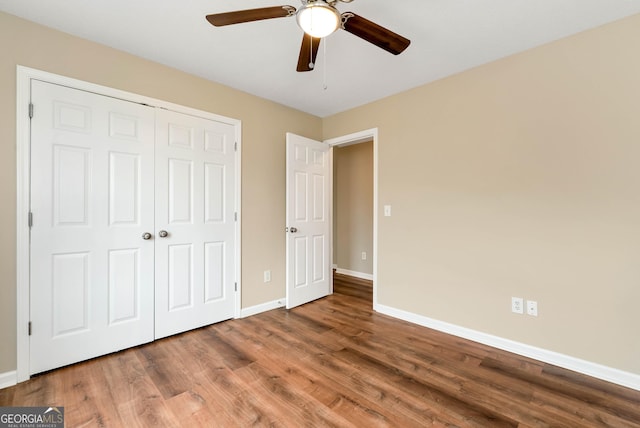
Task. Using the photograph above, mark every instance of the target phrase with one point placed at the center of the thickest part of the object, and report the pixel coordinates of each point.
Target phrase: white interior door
(308, 241)
(92, 278)
(195, 224)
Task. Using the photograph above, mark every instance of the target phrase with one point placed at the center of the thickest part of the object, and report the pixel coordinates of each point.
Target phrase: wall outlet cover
(517, 305)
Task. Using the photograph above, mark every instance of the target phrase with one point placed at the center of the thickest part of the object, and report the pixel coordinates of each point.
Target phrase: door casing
(23, 184)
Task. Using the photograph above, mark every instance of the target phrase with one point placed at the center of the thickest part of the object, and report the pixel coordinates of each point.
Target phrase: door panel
(214, 274)
(70, 288)
(124, 278)
(124, 189)
(70, 185)
(214, 191)
(180, 276)
(307, 220)
(180, 191)
(195, 203)
(92, 199)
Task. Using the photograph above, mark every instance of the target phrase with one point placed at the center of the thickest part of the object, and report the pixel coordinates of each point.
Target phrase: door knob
(146, 236)
(163, 233)
(293, 230)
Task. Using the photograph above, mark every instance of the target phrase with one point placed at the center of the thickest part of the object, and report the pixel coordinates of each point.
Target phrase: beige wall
(353, 207)
(264, 125)
(518, 178)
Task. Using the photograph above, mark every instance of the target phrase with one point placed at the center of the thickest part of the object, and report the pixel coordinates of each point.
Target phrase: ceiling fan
(318, 19)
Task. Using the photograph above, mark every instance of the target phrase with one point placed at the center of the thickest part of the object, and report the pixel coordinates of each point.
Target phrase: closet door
(92, 272)
(195, 225)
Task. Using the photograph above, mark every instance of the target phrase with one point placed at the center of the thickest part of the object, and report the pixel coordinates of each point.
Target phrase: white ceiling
(447, 36)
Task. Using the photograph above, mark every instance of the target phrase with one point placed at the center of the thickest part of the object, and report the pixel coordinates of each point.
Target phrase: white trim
(263, 307)
(32, 73)
(23, 176)
(355, 138)
(23, 96)
(331, 220)
(238, 231)
(355, 274)
(629, 380)
(8, 379)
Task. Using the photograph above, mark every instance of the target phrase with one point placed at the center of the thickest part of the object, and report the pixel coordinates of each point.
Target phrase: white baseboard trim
(264, 307)
(354, 274)
(609, 374)
(8, 379)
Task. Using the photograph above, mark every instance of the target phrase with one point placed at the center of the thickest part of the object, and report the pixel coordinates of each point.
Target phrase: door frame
(347, 140)
(23, 179)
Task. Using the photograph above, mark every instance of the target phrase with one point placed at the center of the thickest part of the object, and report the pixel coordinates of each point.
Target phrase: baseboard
(8, 379)
(264, 307)
(609, 374)
(355, 274)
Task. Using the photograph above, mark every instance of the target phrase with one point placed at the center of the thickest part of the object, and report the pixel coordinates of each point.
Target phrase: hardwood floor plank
(234, 399)
(138, 400)
(625, 412)
(333, 362)
(86, 409)
(192, 409)
(337, 394)
(233, 355)
(301, 408)
(495, 395)
(168, 373)
(416, 397)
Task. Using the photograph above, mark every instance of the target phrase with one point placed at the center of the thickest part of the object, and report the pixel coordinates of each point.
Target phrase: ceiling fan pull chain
(324, 64)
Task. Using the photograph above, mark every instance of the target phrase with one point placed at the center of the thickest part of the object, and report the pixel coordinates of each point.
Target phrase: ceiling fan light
(318, 19)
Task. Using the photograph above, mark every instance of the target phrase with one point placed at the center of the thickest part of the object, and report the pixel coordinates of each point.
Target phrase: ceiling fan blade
(239, 16)
(374, 33)
(308, 53)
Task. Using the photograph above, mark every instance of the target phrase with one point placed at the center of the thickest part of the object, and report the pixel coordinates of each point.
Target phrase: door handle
(163, 234)
(293, 230)
(146, 236)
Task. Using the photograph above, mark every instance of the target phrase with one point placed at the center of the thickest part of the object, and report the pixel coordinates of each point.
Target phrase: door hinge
(235, 146)
(30, 110)
(235, 284)
(29, 328)
(30, 219)
(235, 216)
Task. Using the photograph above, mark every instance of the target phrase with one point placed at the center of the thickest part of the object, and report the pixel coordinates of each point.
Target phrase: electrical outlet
(532, 308)
(364, 255)
(267, 276)
(517, 305)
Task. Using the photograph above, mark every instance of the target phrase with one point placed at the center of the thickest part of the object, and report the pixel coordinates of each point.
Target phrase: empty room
(330, 213)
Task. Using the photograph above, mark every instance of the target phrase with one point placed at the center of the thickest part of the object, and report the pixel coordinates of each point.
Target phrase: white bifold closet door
(92, 280)
(108, 178)
(195, 244)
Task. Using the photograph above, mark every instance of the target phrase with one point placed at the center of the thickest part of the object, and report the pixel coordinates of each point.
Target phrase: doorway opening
(354, 213)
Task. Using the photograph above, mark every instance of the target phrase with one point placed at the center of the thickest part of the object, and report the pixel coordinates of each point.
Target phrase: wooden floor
(330, 363)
